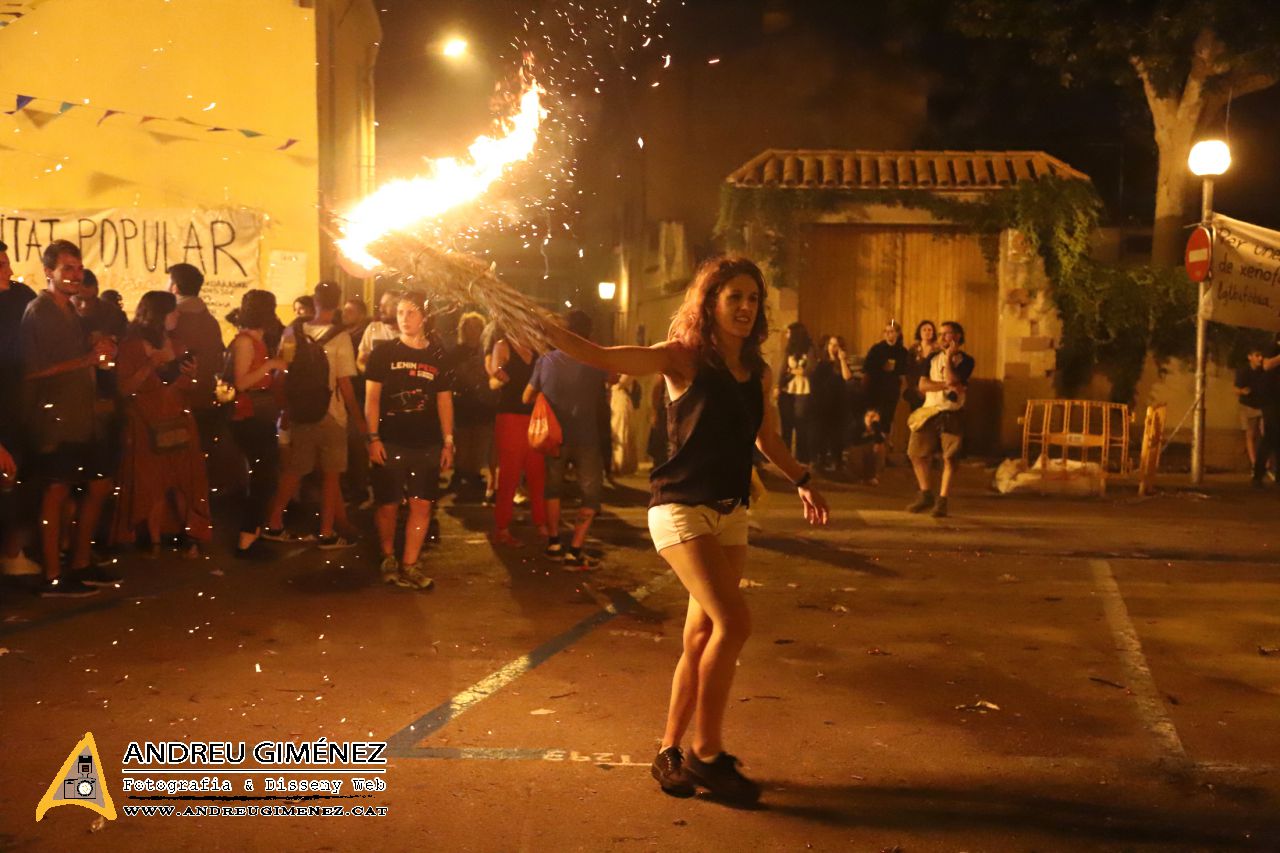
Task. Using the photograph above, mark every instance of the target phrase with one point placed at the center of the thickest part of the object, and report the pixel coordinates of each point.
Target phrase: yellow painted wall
(254, 60)
(347, 35)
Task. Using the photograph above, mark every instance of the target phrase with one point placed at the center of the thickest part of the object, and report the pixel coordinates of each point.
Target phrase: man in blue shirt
(575, 392)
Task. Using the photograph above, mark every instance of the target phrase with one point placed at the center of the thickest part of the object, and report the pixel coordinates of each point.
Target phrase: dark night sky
(982, 95)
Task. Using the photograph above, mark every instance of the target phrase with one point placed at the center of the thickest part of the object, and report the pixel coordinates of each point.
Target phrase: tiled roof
(898, 170)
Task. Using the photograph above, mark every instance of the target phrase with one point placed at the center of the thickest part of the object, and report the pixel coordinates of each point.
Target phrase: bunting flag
(21, 102)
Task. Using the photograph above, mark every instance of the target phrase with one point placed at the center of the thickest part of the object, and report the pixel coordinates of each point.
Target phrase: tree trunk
(1173, 179)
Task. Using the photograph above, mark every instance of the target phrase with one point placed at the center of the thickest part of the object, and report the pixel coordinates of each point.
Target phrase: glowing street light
(1208, 158)
(607, 289)
(455, 48)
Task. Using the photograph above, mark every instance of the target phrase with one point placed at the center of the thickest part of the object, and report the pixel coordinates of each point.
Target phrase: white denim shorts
(671, 524)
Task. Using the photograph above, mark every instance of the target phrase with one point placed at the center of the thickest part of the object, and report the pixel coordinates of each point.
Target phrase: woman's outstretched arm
(667, 358)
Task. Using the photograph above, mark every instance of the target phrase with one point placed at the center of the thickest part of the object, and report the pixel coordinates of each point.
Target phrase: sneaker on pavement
(577, 560)
(412, 577)
(554, 550)
(280, 534)
(668, 769)
(939, 508)
(97, 576)
(333, 542)
(389, 568)
(722, 778)
(923, 501)
(66, 587)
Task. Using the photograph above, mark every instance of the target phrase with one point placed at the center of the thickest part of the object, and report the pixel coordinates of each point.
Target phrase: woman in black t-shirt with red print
(409, 409)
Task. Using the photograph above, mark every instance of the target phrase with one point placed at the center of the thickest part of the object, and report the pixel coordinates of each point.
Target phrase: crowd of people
(111, 424)
(838, 416)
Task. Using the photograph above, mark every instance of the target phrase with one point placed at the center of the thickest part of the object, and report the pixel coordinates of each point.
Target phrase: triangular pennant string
(21, 102)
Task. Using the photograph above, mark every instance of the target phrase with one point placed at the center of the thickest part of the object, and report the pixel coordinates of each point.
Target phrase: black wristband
(804, 480)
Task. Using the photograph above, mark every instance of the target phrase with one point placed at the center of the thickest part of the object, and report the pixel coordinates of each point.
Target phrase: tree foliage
(1190, 58)
(1085, 39)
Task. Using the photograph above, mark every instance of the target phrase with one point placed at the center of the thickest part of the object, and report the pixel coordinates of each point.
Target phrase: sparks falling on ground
(451, 183)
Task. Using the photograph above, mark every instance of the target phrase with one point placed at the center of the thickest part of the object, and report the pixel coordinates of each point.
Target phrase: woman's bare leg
(711, 573)
(684, 684)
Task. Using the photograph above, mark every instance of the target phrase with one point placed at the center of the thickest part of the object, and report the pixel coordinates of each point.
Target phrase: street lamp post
(1208, 158)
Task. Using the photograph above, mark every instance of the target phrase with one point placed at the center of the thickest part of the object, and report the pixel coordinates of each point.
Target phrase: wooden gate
(854, 278)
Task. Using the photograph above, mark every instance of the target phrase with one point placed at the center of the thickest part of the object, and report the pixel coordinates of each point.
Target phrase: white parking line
(1137, 674)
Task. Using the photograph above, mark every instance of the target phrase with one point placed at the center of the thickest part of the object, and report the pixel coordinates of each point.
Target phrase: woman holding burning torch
(721, 407)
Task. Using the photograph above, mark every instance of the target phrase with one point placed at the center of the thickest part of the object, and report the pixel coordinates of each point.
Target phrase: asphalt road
(1029, 674)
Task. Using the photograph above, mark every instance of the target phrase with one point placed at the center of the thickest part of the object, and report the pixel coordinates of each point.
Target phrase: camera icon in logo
(83, 786)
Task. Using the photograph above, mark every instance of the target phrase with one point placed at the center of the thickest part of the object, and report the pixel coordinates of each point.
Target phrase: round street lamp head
(1209, 157)
(455, 48)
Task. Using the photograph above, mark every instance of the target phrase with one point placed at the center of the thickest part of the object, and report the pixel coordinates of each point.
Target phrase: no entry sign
(1199, 254)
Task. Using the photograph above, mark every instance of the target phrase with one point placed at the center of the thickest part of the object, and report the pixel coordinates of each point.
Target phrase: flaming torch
(396, 229)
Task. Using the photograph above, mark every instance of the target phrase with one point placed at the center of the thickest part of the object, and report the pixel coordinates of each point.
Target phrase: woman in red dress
(163, 482)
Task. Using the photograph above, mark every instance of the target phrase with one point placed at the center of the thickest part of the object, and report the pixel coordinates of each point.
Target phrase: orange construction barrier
(1067, 438)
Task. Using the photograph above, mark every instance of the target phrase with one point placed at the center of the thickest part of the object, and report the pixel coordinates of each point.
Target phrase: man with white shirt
(382, 330)
(943, 385)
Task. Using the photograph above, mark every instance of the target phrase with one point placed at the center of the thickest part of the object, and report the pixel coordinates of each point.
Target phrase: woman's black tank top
(510, 400)
(711, 431)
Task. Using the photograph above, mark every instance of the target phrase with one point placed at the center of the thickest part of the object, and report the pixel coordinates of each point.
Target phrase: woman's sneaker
(412, 577)
(577, 560)
(668, 769)
(722, 778)
(389, 568)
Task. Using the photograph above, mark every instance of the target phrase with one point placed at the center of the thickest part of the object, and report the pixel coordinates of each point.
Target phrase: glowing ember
(403, 204)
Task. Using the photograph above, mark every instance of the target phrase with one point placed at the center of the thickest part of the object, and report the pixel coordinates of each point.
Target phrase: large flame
(451, 182)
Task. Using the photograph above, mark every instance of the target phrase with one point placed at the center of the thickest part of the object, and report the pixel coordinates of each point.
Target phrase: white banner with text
(1245, 285)
(129, 249)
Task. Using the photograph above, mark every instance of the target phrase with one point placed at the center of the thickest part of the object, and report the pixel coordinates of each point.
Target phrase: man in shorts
(323, 443)
(576, 394)
(944, 383)
(65, 448)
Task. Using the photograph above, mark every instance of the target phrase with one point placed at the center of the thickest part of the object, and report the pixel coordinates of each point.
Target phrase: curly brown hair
(694, 322)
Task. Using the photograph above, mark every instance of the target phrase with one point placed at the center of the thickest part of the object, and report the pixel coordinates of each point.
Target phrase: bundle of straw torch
(390, 231)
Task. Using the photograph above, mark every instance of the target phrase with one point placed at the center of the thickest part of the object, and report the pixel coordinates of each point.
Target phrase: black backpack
(306, 383)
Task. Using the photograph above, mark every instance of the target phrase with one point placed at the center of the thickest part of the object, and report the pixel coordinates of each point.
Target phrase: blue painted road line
(403, 743)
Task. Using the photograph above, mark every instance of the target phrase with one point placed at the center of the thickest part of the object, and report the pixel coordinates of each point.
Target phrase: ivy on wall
(1111, 316)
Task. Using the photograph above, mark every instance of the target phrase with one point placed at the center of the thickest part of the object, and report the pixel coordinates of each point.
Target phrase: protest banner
(129, 249)
(1245, 283)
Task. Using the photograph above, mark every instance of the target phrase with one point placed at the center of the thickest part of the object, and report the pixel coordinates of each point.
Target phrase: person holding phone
(163, 482)
(944, 384)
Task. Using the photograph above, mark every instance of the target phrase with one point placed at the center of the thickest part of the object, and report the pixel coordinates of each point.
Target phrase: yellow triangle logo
(79, 783)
